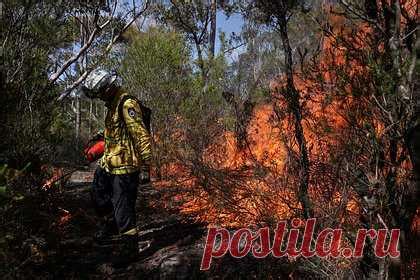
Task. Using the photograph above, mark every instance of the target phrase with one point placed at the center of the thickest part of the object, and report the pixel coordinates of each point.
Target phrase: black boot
(129, 244)
(108, 229)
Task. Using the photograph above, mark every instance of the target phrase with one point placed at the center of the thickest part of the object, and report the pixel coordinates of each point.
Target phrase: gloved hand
(144, 174)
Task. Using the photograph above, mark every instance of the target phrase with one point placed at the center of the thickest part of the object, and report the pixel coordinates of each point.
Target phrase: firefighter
(126, 157)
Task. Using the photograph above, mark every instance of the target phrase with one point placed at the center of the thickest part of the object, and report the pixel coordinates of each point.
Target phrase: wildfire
(258, 183)
(56, 175)
(65, 217)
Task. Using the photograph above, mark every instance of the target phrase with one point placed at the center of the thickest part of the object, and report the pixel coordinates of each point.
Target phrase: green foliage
(156, 63)
(31, 33)
(60, 128)
(7, 175)
(157, 68)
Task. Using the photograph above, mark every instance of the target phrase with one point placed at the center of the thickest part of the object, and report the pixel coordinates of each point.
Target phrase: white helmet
(97, 82)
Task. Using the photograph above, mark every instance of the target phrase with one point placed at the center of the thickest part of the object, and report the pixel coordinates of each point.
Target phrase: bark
(405, 210)
(85, 46)
(83, 35)
(412, 198)
(88, 44)
(213, 10)
(91, 116)
(78, 120)
(280, 11)
(196, 33)
(200, 60)
(293, 99)
(371, 8)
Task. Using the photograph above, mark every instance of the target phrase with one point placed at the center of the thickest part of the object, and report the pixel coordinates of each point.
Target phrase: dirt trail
(170, 247)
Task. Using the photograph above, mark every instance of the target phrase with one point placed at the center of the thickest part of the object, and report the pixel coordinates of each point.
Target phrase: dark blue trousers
(116, 194)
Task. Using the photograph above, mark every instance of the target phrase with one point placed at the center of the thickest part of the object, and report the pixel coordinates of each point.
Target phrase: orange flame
(253, 185)
(57, 174)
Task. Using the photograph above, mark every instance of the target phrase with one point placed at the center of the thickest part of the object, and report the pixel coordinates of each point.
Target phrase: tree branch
(108, 48)
(82, 50)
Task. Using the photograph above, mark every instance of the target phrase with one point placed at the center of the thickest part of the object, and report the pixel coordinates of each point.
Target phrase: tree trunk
(78, 120)
(213, 11)
(293, 100)
(411, 244)
(201, 63)
(90, 116)
(83, 36)
(404, 82)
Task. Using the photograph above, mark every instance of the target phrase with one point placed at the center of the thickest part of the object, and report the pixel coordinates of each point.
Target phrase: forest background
(262, 111)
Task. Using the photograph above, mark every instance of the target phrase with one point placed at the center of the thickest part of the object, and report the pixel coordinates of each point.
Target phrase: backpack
(146, 113)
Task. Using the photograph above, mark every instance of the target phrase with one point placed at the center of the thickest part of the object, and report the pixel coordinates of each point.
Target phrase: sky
(228, 25)
(232, 24)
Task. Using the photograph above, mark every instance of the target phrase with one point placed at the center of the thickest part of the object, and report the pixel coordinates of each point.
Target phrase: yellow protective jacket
(127, 141)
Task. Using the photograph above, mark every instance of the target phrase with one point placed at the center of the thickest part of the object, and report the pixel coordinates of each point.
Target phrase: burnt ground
(171, 245)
